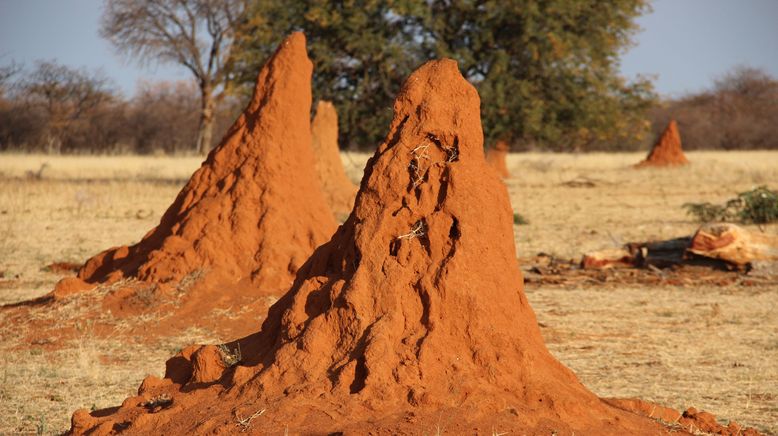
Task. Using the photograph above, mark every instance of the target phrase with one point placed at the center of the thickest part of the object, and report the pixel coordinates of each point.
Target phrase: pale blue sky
(67, 30)
(685, 44)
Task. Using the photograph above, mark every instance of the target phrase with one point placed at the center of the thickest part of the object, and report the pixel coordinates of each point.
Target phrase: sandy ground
(712, 348)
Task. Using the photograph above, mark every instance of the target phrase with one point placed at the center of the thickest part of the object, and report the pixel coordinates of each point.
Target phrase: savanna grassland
(711, 347)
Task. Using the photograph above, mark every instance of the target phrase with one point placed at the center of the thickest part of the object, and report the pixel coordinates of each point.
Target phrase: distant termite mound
(496, 158)
(667, 151)
(412, 316)
(338, 189)
(254, 211)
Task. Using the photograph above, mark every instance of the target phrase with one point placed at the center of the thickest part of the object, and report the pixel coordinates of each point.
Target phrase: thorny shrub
(757, 206)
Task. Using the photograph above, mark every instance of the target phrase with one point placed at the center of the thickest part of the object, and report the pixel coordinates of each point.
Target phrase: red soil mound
(667, 151)
(495, 156)
(254, 211)
(413, 316)
(338, 189)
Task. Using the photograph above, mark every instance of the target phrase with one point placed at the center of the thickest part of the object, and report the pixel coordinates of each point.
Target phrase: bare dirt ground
(711, 347)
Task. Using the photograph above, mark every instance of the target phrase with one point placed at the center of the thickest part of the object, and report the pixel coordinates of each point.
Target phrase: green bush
(519, 220)
(757, 206)
(707, 212)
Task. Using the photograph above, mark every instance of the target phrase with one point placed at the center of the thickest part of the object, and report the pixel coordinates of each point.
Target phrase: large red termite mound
(254, 211)
(496, 157)
(412, 316)
(338, 188)
(667, 151)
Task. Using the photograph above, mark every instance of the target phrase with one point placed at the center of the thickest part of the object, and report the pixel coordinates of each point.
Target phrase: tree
(7, 72)
(197, 34)
(9, 120)
(67, 98)
(362, 51)
(546, 70)
(156, 107)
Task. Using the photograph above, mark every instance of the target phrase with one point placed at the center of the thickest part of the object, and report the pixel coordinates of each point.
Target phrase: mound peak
(254, 211)
(667, 151)
(412, 313)
(338, 189)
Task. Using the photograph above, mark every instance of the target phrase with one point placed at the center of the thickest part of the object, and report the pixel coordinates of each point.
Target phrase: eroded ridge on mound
(496, 157)
(254, 210)
(412, 316)
(667, 151)
(338, 189)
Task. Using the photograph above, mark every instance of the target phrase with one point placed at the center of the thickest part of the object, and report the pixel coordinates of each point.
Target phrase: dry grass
(712, 348)
(77, 210)
(40, 387)
(625, 204)
(99, 167)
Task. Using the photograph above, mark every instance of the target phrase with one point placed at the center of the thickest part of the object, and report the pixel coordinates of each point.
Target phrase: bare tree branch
(196, 34)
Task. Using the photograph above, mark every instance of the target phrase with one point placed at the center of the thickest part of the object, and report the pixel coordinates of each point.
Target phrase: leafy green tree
(362, 51)
(546, 70)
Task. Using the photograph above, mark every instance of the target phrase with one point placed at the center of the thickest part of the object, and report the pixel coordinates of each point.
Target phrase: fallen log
(734, 244)
(658, 254)
(617, 257)
(720, 246)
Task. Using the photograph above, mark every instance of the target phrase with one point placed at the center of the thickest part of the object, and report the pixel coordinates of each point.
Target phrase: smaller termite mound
(253, 212)
(496, 157)
(667, 151)
(339, 191)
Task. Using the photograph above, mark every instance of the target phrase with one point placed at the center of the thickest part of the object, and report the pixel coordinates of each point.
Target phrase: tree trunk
(734, 245)
(205, 129)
